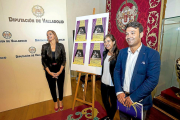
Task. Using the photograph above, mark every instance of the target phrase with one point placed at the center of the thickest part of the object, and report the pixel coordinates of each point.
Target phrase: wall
(172, 8)
(23, 79)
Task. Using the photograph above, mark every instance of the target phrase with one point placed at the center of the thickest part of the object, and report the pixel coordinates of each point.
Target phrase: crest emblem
(32, 49)
(127, 12)
(6, 34)
(38, 11)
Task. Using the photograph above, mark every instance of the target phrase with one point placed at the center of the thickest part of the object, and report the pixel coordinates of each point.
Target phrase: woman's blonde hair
(54, 33)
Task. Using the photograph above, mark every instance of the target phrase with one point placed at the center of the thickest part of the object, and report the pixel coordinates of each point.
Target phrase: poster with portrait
(79, 53)
(98, 29)
(96, 54)
(81, 30)
(87, 56)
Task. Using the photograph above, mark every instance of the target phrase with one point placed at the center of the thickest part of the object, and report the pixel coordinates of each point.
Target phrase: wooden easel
(84, 94)
(85, 87)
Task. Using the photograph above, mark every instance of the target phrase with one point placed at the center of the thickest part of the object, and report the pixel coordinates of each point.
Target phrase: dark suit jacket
(46, 53)
(112, 65)
(145, 76)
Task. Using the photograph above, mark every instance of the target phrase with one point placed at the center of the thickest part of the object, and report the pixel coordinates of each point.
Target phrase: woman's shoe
(56, 109)
(61, 108)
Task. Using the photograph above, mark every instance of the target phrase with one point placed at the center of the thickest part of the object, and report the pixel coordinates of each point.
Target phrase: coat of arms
(6, 34)
(38, 11)
(127, 12)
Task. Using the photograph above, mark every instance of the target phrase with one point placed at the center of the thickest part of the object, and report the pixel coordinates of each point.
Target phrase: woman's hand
(52, 74)
(57, 74)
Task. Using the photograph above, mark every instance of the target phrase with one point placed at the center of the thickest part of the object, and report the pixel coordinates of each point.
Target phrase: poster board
(88, 43)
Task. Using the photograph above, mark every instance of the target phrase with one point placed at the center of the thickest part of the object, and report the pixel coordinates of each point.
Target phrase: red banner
(147, 12)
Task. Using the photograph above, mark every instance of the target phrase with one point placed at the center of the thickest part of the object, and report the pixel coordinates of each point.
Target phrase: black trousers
(110, 105)
(52, 82)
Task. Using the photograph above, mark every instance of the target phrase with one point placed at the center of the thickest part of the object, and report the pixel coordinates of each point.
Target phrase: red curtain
(147, 12)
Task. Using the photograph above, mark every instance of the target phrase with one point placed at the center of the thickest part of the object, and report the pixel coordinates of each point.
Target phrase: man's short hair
(135, 25)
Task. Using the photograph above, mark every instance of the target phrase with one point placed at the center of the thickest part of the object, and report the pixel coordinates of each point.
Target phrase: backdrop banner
(23, 32)
(147, 12)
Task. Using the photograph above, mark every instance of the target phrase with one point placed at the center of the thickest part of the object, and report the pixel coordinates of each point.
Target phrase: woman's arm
(51, 73)
(63, 59)
(60, 71)
(43, 57)
(63, 55)
(44, 61)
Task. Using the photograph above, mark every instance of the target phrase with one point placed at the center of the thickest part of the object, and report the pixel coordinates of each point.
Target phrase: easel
(84, 94)
(85, 87)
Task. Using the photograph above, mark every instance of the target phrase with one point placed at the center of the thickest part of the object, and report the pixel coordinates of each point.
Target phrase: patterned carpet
(82, 112)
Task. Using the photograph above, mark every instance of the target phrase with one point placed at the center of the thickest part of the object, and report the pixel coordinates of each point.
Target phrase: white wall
(76, 8)
(172, 8)
(102, 6)
(23, 80)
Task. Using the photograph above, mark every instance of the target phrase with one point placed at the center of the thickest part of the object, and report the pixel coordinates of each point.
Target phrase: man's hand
(121, 98)
(128, 102)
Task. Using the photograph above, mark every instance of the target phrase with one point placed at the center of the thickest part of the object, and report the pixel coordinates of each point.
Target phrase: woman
(107, 81)
(54, 59)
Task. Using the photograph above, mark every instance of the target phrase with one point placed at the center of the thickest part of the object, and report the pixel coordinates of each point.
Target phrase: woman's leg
(113, 99)
(52, 87)
(105, 98)
(60, 84)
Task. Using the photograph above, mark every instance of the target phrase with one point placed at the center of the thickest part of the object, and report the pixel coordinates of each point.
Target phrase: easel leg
(93, 95)
(85, 87)
(76, 91)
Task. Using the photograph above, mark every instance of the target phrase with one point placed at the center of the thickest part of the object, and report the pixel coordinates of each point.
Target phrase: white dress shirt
(130, 64)
(106, 77)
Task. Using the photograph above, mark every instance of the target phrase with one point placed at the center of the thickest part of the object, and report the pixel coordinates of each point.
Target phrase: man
(137, 71)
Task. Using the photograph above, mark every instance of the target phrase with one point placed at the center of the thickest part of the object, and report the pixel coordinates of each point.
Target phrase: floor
(47, 107)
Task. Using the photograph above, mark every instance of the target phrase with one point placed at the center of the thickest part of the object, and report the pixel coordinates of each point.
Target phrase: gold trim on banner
(152, 20)
(108, 5)
(160, 24)
(159, 36)
(155, 22)
(108, 8)
(164, 8)
(153, 3)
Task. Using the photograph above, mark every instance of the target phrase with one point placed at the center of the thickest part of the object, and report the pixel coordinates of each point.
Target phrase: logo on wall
(127, 12)
(3, 57)
(6, 34)
(32, 49)
(38, 11)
